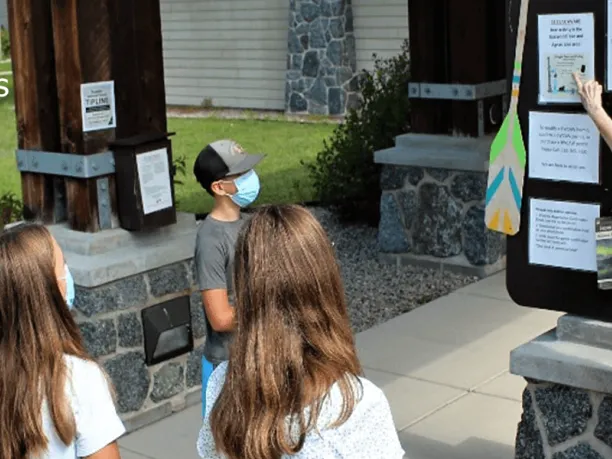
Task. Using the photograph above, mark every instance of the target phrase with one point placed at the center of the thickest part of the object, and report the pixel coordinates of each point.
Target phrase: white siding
(232, 53)
(380, 26)
(3, 14)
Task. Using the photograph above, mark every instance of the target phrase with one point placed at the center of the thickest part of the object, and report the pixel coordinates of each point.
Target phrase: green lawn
(283, 178)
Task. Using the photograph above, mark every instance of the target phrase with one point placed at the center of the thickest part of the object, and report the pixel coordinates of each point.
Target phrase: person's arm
(219, 311)
(210, 262)
(590, 96)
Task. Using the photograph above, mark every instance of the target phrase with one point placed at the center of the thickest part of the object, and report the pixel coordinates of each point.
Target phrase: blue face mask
(248, 189)
(69, 288)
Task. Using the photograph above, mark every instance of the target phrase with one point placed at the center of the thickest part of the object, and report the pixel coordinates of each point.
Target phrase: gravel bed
(379, 292)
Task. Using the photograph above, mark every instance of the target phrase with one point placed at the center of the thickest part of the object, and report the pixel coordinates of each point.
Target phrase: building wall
(233, 53)
(381, 26)
(228, 53)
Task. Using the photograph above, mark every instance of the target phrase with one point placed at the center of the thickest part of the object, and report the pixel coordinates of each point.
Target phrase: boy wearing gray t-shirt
(226, 172)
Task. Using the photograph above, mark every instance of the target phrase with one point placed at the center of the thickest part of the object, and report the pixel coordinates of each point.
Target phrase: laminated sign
(98, 106)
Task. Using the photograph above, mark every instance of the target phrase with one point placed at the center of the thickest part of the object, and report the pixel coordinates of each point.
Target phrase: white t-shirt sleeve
(380, 438)
(97, 421)
(206, 442)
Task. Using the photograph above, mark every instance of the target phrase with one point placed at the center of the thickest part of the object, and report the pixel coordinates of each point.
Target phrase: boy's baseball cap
(221, 159)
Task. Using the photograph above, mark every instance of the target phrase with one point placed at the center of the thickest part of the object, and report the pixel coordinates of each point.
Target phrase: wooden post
(35, 100)
(428, 63)
(82, 39)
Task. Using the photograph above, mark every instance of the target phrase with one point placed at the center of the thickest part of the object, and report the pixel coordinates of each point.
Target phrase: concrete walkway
(443, 367)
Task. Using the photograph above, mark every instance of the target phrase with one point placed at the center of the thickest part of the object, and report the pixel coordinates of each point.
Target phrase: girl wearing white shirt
(55, 401)
(293, 385)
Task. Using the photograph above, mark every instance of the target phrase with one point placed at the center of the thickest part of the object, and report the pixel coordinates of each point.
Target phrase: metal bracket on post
(74, 166)
(104, 204)
(66, 164)
(457, 91)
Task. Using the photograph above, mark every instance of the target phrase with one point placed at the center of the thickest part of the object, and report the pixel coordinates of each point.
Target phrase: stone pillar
(567, 404)
(321, 62)
(432, 205)
(117, 275)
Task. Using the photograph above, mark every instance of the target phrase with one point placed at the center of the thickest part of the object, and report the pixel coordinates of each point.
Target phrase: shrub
(11, 209)
(6, 43)
(344, 174)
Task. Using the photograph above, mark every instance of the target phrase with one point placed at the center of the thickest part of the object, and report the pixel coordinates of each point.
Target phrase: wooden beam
(469, 63)
(35, 101)
(82, 38)
(428, 63)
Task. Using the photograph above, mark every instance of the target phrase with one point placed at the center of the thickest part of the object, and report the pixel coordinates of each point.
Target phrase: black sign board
(536, 285)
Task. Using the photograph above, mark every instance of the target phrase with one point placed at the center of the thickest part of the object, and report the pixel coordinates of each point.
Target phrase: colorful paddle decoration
(507, 159)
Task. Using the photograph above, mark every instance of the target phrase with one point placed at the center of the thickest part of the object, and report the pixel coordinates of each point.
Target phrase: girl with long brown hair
(293, 385)
(55, 402)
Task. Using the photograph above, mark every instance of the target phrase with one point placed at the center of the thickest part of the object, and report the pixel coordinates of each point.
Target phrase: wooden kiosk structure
(69, 174)
(107, 192)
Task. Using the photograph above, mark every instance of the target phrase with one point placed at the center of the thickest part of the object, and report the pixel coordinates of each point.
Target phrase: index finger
(578, 80)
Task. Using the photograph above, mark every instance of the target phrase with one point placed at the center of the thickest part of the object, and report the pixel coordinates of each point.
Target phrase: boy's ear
(217, 188)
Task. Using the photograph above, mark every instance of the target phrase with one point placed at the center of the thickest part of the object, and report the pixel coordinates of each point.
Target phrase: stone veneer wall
(437, 214)
(321, 62)
(561, 422)
(110, 322)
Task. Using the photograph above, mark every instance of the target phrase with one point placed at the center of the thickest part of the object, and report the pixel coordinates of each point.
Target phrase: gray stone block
(297, 103)
(603, 430)
(122, 294)
(99, 337)
(481, 246)
(549, 359)
(317, 37)
(193, 376)
(129, 330)
(295, 46)
(437, 229)
(302, 28)
(93, 301)
(132, 292)
(392, 237)
(580, 451)
(310, 67)
(336, 101)
(318, 92)
(469, 186)
(131, 379)
(171, 279)
(438, 151)
(296, 62)
(439, 175)
(528, 438)
(583, 330)
(336, 28)
(305, 41)
(409, 206)
(334, 52)
(309, 11)
(168, 382)
(198, 321)
(566, 412)
(395, 177)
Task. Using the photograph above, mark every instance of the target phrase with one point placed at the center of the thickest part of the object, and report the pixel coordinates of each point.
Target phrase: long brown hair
(36, 330)
(293, 338)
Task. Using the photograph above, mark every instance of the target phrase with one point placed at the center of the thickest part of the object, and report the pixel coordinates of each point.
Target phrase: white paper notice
(563, 147)
(562, 234)
(98, 106)
(154, 177)
(566, 44)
